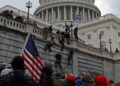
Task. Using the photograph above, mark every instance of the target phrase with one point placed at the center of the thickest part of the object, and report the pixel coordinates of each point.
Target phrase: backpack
(61, 39)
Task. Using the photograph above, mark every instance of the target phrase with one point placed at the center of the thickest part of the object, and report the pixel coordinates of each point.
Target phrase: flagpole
(25, 43)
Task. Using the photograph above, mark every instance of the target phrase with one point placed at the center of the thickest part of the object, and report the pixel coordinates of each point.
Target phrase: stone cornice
(50, 5)
(78, 1)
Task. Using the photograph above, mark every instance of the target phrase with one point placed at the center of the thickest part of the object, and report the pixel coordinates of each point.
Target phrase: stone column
(52, 14)
(38, 15)
(75, 58)
(71, 13)
(93, 15)
(89, 15)
(75, 63)
(65, 13)
(77, 11)
(58, 13)
(46, 15)
(96, 15)
(83, 14)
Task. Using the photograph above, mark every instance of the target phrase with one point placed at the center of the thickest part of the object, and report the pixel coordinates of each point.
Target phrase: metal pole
(28, 5)
(28, 14)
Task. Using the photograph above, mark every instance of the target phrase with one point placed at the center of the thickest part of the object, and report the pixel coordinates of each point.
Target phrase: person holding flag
(32, 58)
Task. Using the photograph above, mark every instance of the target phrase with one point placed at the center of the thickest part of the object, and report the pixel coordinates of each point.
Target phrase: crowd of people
(18, 77)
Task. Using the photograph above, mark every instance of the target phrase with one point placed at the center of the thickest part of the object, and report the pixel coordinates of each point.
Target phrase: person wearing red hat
(100, 80)
(70, 80)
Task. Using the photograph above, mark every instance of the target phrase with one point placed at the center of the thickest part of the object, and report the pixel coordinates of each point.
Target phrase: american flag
(77, 17)
(32, 59)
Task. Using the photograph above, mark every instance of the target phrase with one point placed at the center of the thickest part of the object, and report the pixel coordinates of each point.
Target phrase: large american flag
(32, 59)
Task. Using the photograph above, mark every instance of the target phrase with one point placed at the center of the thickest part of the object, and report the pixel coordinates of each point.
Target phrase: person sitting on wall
(58, 58)
(19, 18)
(49, 44)
(7, 14)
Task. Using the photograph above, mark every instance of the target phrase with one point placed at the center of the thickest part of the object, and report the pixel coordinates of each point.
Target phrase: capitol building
(60, 11)
(100, 51)
(96, 30)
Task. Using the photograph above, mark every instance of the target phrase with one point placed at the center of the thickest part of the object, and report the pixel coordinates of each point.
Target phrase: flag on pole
(31, 58)
(77, 17)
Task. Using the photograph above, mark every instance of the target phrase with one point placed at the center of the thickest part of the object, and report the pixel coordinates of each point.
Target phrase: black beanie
(18, 63)
(48, 70)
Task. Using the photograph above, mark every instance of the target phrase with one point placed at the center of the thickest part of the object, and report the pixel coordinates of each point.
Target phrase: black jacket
(16, 78)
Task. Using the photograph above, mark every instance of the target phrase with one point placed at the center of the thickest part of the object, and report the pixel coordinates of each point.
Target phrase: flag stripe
(32, 66)
(38, 59)
(32, 59)
(34, 76)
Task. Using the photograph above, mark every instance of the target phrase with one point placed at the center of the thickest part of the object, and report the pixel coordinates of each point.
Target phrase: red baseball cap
(70, 78)
(101, 80)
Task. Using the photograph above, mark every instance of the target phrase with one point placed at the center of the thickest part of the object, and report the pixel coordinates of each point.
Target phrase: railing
(23, 27)
(12, 24)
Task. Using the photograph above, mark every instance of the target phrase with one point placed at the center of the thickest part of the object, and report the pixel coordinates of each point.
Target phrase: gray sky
(106, 6)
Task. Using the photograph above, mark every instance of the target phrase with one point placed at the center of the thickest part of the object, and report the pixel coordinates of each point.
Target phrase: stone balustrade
(12, 24)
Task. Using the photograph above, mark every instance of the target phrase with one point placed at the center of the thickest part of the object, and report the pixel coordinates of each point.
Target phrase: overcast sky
(106, 6)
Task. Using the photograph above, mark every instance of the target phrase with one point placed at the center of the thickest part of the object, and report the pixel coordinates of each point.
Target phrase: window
(89, 36)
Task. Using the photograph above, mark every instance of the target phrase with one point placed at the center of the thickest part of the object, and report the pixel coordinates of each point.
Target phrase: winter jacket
(16, 78)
